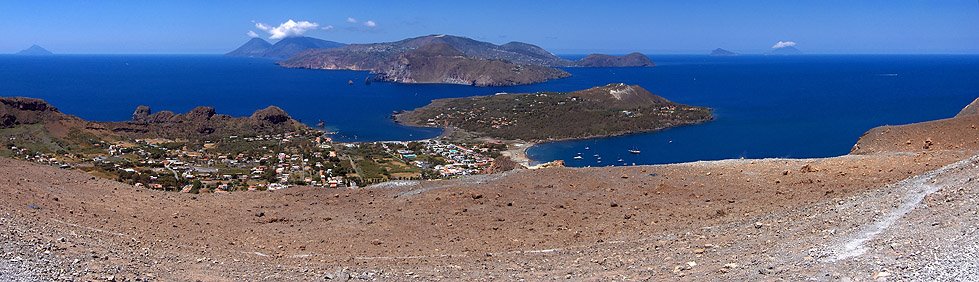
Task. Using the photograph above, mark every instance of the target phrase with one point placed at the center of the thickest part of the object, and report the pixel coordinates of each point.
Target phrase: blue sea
(765, 106)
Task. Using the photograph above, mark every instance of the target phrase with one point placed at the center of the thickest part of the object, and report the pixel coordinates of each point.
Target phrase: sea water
(764, 106)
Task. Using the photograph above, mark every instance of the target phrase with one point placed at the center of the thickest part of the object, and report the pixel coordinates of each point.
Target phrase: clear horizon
(573, 27)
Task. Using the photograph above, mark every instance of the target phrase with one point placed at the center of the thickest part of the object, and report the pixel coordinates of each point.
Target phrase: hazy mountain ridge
(285, 48)
(34, 50)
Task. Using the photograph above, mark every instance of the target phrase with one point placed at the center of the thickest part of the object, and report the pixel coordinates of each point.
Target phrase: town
(268, 162)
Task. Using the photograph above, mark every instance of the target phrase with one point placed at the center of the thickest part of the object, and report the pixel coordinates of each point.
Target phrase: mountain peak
(35, 50)
(722, 52)
(285, 48)
(255, 47)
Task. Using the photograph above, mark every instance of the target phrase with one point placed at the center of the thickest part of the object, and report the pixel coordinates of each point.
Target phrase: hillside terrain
(453, 59)
(608, 110)
(856, 217)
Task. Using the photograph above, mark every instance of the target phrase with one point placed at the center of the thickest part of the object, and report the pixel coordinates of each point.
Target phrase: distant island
(601, 60)
(613, 109)
(35, 50)
(788, 50)
(453, 60)
(722, 52)
(285, 48)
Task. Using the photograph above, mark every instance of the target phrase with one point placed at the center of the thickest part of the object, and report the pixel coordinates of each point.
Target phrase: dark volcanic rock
(203, 123)
(161, 116)
(271, 114)
(7, 120)
(630, 60)
(28, 104)
(19, 110)
(200, 114)
(141, 114)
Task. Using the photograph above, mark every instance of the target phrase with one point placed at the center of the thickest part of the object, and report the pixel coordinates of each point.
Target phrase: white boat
(634, 151)
(578, 157)
(587, 148)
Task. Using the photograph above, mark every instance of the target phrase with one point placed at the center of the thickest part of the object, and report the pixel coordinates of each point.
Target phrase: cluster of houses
(458, 160)
(37, 157)
(148, 162)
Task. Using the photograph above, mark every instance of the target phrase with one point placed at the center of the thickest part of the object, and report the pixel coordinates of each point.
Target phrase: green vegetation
(603, 111)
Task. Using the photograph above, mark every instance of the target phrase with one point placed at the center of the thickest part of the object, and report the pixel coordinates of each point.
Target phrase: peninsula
(613, 109)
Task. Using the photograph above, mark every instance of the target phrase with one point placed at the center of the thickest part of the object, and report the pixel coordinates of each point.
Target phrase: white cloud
(783, 44)
(351, 20)
(289, 28)
(370, 24)
(252, 34)
(328, 27)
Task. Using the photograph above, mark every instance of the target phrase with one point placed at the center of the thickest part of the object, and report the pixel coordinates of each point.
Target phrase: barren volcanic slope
(889, 214)
(600, 111)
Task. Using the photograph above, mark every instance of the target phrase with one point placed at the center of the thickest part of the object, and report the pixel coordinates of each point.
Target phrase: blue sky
(565, 27)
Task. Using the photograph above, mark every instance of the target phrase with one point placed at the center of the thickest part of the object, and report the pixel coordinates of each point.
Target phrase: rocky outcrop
(141, 114)
(203, 123)
(20, 110)
(28, 104)
(200, 114)
(271, 115)
(607, 61)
